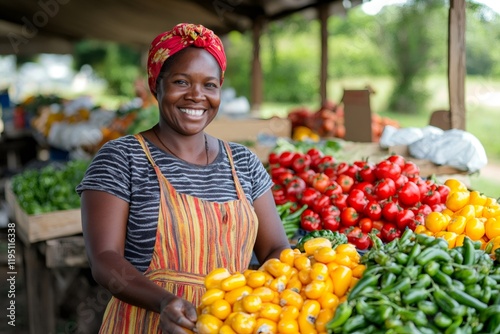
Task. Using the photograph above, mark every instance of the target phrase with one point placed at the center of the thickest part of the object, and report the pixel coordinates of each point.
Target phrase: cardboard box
(251, 132)
(34, 228)
(357, 115)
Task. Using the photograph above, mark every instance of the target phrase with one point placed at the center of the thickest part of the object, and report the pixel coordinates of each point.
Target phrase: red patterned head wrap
(180, 37)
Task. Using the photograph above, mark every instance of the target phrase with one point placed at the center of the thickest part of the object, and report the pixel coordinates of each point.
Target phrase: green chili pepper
(431, 268)
(393, 268)
(417, 317)
(423, 281)
(364, 282)
(474, 290)
(468, 276)
(433, 254)
(361, 305)
(407, 234)
(393, 322)
(493, 325)
(387, 280)
(384, 313)
(423, 239)
(411, 271)
(452, 329)
(445, 302)
(401, 285)
(440, 243)
(457, 285)
(342, 313)
(488, 312)
(401, 258)
(428, 307)
(442, 279)
(447, 268)
(442, 320)
(457, 256)
(466, 299)
(353, 323)
(381, 258)
(468, 249)
(415, 251)
(413, 296)
(486, 295)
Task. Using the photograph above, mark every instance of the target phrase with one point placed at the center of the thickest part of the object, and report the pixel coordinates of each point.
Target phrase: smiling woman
(164, 207)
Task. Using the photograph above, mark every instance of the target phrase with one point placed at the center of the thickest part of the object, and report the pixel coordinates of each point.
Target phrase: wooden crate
(65, 252)
(34, 228)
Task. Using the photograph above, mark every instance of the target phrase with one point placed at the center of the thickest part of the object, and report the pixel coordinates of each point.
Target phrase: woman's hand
(177, 315)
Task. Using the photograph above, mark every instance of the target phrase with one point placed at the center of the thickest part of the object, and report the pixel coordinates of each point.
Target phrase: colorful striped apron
(193, 238)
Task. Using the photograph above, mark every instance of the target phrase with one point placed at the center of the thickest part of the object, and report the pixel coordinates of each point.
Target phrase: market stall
(321, 184)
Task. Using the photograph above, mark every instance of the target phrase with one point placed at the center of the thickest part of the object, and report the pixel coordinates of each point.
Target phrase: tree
(120, 65)
(408, 42)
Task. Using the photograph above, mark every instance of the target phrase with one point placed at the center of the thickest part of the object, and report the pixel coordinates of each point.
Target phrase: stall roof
(52, 26)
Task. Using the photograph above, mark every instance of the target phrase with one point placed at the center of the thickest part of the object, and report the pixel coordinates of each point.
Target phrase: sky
(374, 6)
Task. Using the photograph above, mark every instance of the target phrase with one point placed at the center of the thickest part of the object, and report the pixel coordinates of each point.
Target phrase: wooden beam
(323, 14)
(456, 63)
(256, 73)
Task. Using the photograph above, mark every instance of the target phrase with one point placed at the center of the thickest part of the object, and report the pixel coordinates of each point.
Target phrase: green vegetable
(342, 313)
(365, 281)
(466, 299)
(50, 188)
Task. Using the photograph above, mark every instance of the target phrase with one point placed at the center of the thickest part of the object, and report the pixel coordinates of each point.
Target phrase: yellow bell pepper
(208, 324)
(290, 297)
(315, 289)
(475, 228)
(324, 317)
(288, 326)
(265, 326)
(215, 277)
(220, 309)
(236, 280)
(308, 315)
(436, 222)
(251, 303)
(457, 224)
(243, 323)
(341, 278)
(492, 227)
(456, 200)
(312, 244)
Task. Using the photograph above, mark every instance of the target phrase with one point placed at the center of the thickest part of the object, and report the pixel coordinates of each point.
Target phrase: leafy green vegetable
(50, 188)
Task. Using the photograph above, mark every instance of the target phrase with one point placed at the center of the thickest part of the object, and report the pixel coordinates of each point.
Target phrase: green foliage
(239, 56)
(351, 46)
(118, 64)
(407, 39)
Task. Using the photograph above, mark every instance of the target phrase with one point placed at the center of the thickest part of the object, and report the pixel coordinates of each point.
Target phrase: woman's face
(189, 91)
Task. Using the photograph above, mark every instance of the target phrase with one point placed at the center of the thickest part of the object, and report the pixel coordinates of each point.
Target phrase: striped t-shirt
(122, 168)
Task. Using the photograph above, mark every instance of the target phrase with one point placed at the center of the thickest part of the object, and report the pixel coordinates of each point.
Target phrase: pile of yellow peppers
(467, 213)
(297, 293)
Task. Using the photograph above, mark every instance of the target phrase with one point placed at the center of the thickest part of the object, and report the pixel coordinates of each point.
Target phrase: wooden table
(56, 284)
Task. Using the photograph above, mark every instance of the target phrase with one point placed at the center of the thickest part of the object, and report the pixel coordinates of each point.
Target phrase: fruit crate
(34, 228)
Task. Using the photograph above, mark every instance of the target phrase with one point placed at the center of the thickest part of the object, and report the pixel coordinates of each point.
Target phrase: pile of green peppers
(50, 188)
(416, 284)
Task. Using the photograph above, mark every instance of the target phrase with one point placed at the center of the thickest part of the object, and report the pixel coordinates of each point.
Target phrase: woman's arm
(271, 237)
(104, 221)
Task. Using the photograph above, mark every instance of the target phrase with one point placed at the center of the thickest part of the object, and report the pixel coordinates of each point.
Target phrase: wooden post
(456, 63)
(256, 72)
(323, 13)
